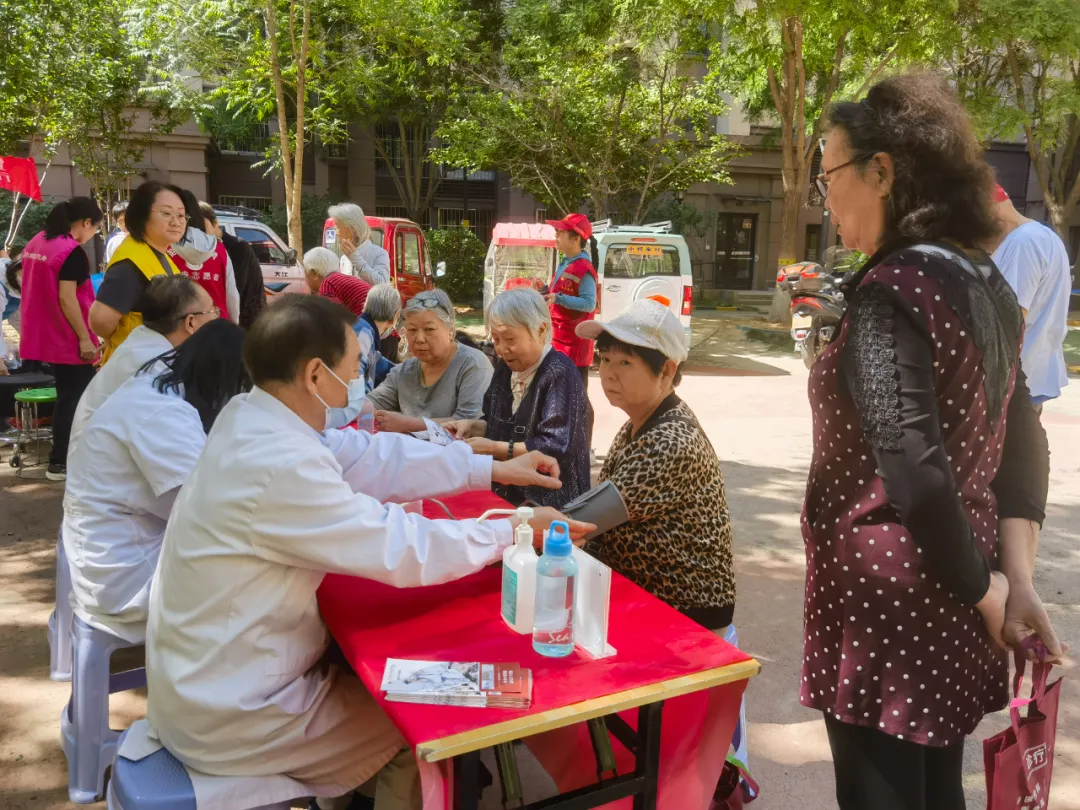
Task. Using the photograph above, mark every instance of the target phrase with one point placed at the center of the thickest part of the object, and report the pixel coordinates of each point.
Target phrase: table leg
(467, 781)
(648, 754)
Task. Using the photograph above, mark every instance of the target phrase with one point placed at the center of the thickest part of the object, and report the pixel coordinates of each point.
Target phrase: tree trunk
(780, 310)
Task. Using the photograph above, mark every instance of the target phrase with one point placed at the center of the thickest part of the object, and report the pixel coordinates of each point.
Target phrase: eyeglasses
(822, 184)
(172, 216)
(425, 303)
(215, 311)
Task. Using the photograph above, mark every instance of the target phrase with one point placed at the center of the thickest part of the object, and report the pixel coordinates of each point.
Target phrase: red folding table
(685, 683)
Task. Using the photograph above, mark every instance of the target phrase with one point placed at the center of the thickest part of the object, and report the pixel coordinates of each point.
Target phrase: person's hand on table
(466, 428)
(544, 516)
(1025, 616)
(533, 469)
(391, 422)
(992, 606)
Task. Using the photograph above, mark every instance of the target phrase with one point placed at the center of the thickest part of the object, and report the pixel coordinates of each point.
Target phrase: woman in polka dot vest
(921, 519)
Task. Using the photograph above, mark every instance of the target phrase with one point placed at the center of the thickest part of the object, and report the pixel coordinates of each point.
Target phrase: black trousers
(877, 772)
(71, 381)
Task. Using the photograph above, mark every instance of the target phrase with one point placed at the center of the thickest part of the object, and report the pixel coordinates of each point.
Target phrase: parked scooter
(817, 304)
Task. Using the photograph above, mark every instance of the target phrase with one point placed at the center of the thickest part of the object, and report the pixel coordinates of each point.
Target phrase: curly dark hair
(942, 186)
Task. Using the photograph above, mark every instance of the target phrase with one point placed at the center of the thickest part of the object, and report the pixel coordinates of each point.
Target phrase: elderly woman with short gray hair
(359, 255)
(536, 400)
(443, 379)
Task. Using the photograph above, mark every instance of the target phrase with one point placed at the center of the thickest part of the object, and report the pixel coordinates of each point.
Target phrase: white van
(633, 262)
(643, 261)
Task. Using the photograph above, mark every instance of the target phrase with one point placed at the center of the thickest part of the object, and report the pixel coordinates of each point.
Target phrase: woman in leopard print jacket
(676, 542)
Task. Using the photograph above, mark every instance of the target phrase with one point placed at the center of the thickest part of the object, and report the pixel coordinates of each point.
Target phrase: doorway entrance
(736, 247)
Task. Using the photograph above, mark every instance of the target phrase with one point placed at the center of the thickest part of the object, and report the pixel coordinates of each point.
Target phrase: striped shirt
(349, 291)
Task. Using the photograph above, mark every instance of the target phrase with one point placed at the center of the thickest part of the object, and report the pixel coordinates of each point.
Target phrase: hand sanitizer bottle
(553, 625)
(519, 576)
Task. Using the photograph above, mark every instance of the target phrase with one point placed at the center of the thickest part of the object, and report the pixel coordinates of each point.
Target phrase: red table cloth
(460, 621)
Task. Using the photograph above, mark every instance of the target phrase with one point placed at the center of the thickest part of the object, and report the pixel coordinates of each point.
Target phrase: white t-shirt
(141, 346)
(1034, 261)
(122, 477)
(114, 242)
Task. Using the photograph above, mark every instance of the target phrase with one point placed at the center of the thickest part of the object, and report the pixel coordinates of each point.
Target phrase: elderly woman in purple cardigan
(535, 401)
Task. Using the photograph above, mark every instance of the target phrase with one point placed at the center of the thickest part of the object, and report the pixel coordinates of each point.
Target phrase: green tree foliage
(33, 221)
(464, 254)
(787, 60)
(1019, 74)
(274, 60)
(69, 73)
(599, 103)
(408, 64)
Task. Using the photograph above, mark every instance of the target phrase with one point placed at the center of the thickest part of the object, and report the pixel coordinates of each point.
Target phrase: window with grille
(541, 215)
(258, 203)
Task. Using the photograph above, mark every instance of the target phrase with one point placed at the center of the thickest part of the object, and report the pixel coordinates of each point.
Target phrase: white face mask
(340, 417)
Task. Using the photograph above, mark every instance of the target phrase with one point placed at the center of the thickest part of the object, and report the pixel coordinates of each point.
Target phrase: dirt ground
(752, 402)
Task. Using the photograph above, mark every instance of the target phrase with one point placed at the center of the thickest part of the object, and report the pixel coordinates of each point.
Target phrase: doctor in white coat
(278, 499)
(173, 309)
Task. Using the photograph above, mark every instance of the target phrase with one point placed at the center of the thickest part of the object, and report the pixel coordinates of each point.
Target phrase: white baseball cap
(645, 323)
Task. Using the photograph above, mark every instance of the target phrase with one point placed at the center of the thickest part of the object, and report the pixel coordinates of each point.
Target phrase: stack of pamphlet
(492, 686)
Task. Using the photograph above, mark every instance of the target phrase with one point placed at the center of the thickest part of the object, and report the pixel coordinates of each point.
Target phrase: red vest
(563, 321)
(210, 275)
(46, 334)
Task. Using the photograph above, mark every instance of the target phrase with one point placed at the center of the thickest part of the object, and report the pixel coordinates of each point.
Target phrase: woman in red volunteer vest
(573, 293)
(56, 299)
(204, 259)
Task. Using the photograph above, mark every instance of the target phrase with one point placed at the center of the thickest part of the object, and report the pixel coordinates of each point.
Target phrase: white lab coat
(235, 634)
(369, 262)
(141, 346)
(123, 475)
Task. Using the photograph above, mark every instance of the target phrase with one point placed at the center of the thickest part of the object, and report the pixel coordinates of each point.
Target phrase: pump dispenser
(519, 576)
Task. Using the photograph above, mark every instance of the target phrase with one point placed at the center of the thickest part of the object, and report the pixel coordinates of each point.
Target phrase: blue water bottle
(556, 570)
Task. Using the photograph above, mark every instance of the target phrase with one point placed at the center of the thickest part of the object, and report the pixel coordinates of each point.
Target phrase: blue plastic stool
(60, 619)
(157, 782)
(88, 742)
(738, 741)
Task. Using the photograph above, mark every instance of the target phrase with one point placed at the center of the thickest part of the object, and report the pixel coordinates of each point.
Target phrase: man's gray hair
(383, 302)
(520, 307)
(435, 301)
(321, 261)
(352, 217)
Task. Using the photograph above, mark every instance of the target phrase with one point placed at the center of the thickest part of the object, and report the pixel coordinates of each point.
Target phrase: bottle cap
(524, 513)
(558, 543)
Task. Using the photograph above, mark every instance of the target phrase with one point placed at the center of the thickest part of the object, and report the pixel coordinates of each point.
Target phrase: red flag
(20, 175)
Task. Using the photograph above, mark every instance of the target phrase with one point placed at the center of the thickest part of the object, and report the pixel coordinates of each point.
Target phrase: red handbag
(1020, 760)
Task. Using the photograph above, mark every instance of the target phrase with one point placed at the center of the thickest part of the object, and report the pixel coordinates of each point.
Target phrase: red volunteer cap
(1000, 195)
(578, 223)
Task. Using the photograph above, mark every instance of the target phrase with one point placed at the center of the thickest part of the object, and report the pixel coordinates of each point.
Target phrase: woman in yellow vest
(155, 219)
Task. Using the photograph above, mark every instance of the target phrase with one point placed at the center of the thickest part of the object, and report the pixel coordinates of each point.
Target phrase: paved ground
(753, 405)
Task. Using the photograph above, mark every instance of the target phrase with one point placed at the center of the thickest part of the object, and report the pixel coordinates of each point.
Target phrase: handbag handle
(1040, 673)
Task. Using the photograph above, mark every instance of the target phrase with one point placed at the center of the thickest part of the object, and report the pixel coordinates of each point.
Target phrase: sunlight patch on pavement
(791, 743)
